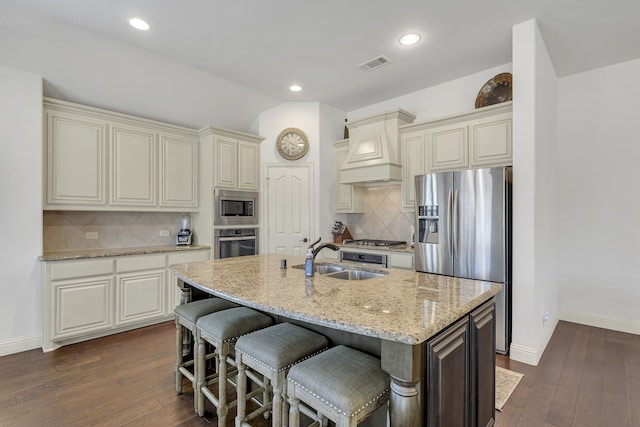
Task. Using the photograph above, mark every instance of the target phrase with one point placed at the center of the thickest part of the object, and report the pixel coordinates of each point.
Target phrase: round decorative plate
(495, 91)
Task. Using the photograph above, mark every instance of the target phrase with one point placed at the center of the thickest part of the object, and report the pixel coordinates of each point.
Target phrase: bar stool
(186, 318)
(222, 329)
(272, 352)
(342, 384)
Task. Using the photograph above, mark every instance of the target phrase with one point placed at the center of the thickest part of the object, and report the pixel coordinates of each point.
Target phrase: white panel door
(289, 208)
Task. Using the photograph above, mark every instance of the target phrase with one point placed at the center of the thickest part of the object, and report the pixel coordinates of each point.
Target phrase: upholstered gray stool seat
(271, 352)
(221, 329)
(186, 316)
(342, 384)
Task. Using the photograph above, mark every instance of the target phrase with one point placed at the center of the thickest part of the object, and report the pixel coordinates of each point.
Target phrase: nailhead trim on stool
(342, 384)
(271, 352)
(186, 316)
(221, 330)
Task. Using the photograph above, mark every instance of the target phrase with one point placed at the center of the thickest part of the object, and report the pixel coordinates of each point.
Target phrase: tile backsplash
(383, 217)
(65, 230)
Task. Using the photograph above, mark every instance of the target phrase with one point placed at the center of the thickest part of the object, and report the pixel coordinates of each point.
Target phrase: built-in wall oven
(235, 207)
(235, 242)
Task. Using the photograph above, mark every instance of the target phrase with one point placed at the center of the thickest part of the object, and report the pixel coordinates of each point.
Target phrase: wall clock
(292, 144)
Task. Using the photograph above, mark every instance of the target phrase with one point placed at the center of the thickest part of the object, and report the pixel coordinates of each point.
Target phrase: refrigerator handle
(455, 224)
(449, 222)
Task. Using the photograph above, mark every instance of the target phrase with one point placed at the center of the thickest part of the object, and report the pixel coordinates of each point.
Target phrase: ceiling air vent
(374, 63)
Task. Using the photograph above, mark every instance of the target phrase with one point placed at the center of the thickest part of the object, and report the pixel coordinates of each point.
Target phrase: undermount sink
(342, 273)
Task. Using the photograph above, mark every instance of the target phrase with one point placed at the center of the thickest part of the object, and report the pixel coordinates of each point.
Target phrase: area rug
(506, 382)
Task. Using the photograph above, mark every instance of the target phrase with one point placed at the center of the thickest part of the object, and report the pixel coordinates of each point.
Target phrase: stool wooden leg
(222, 409)
(294, 412)
(200, 353)
(241, 408)
(178, 357)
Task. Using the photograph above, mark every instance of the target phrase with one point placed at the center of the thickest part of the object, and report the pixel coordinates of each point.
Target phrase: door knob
(305, 240)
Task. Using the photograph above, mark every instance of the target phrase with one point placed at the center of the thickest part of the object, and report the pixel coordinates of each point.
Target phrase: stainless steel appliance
(235, 207)
(234, 242)
(184, 235)
(374, 242)
(463, 229)
(377, 260)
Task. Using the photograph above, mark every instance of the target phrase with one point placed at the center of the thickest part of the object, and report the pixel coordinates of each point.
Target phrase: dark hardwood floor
(587, 377)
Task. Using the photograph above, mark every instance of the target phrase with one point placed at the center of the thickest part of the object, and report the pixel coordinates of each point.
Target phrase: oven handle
(231, 239)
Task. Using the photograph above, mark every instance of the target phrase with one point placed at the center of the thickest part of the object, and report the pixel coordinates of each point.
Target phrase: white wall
(20, 210)
(453, 97)
(84, 67)
(534, 140)
(599, 203)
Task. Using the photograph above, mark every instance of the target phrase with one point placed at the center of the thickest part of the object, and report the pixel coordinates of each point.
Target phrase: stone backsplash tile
(65, 230)
(383, 217)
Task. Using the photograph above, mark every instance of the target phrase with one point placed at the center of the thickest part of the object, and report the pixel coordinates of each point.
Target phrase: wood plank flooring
(587, 377)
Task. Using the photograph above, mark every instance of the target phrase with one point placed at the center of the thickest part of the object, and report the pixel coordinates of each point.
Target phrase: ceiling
(268, 45)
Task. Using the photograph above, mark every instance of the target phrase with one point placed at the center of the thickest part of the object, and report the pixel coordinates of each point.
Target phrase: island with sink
(435, 335)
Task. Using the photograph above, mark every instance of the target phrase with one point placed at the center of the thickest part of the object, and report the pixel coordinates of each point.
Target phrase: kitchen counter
(107, 252)
(400, 310)
(402, 306)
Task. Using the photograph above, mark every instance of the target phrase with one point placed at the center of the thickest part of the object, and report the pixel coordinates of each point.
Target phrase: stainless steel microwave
(235, 207)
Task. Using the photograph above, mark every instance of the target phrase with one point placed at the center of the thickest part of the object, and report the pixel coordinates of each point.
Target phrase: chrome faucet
(317, 250)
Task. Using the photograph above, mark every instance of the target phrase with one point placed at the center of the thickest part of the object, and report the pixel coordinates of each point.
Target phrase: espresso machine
(183, 238)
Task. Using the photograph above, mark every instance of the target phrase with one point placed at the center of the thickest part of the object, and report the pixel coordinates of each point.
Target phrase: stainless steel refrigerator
(463, 229)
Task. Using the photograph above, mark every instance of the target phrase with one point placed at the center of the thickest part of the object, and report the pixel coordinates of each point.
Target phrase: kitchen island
(399, 316)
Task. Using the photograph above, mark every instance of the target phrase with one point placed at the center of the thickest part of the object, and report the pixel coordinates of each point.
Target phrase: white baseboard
(18, 345)
(530, 355)
(598, 321)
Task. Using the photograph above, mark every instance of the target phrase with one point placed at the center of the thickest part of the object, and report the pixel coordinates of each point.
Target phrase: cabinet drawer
(74, 269)
(183, 257)
(136, 263)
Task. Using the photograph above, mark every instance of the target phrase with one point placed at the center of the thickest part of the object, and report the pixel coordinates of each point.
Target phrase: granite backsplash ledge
(65, 230)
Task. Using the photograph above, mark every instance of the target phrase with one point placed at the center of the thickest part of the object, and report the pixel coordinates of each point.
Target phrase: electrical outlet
(91, 235)
(545, 317)
(164, 233)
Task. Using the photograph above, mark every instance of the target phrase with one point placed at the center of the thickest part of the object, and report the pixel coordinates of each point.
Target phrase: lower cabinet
(461, 372)
(85, 299)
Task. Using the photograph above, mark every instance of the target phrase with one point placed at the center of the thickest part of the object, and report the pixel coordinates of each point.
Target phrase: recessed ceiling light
(139, 24)
(409, 39)
(295, 88)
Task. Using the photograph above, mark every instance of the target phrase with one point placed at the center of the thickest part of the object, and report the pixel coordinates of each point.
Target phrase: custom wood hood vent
(374, 148)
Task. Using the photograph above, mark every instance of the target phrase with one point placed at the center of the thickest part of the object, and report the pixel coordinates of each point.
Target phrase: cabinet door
(401, 260)
(133, 166)
(449, 147)
(447, 371)
(248, 166)
(178, 172)
(490, 141)
(81, 306)
(75, 161)
(414, 147)
(225, 163)
(482, 367)
(140, 296)
(347, 198)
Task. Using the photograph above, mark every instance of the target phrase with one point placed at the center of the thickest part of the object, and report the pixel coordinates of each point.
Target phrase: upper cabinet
(236, 158)
(478, 139)
(348, 198)
(100, 160)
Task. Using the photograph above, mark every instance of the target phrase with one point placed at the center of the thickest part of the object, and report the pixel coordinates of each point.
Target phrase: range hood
(374, 148)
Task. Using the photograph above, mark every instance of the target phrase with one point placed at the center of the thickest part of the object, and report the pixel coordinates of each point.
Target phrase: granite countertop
(402, 306)
(107, 252)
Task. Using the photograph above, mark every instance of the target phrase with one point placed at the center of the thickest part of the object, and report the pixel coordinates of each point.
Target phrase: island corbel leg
(404, 364)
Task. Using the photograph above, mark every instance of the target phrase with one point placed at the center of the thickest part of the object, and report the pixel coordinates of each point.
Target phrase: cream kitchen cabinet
(347, 198)
(236, 158)
(477, 139)
(102, 160)
(75, 166)
(89, 298)
(403, 260)
(141, 288)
